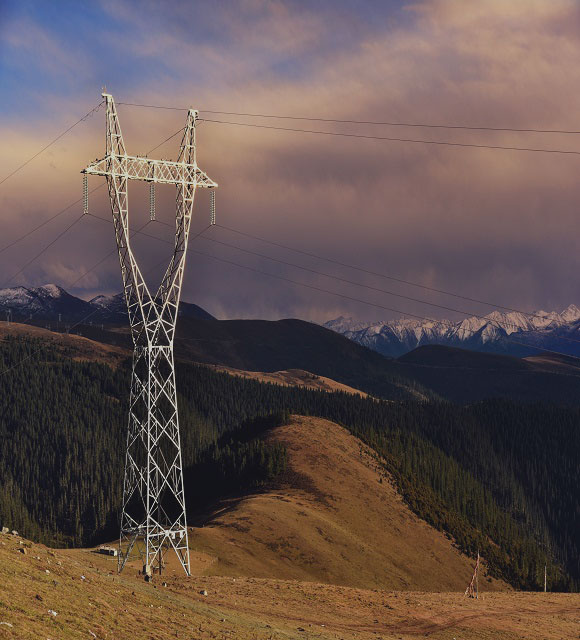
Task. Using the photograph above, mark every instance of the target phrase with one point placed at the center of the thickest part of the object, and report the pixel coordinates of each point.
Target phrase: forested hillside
(428, 372)
(466, 376)
(495, 475)
(262, 345)
(63, 429)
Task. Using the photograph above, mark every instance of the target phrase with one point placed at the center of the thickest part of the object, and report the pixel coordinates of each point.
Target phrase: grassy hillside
(496, 475)
(466, 470)
(332, 516)
(92, 601)
(260, 345)
(292, 378)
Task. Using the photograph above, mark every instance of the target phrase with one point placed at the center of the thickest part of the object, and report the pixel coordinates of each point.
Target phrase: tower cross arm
(159, 171)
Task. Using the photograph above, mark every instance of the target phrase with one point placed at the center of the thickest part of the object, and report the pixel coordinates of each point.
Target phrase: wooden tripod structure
(472, 590)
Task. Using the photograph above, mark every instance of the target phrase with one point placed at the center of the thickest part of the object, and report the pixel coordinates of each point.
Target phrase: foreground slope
(333, 517)
(93, 602)
(331, 500)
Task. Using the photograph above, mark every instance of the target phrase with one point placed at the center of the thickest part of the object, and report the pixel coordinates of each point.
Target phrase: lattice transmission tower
(153, 519)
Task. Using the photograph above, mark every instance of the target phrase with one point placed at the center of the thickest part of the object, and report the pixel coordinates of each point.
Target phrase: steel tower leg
(153, 519)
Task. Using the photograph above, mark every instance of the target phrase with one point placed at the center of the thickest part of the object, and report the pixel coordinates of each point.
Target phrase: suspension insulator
(85, 194)
(212, 207)
(152, 201)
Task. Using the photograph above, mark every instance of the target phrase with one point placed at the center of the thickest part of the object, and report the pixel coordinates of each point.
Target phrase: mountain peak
(340, 324)
(51, 302)
(51, 290)
(571, 313)
(106, 301)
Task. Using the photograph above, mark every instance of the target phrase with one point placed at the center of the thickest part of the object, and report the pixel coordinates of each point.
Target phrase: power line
(140, 232)
(380, 275)
(388, 123)
(92, 313)
(100, 262)
(148, 235)
(395, 139)
(498, 323)
(137, 231)
(421, 301)
(166, 140)
(501, 324)
(152, 106)
(72, 284)
(62, 233)
(395, 124)
(87, 115)
(314, 288)
(56, 215)
(372, 304)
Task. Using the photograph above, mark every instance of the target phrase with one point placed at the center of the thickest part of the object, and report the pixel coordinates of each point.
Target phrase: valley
(447, 460)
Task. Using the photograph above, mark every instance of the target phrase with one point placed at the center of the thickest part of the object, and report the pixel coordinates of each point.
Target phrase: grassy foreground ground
(330, 552)
(92, 601)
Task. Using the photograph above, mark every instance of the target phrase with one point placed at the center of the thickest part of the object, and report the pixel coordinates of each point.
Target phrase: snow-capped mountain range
(51, 303)
(44, 303)
(512, 332)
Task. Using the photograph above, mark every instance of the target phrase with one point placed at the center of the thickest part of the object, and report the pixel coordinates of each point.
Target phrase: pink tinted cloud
(494, 224)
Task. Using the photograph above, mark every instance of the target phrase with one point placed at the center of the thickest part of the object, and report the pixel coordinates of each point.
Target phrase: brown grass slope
(106, 606)
(331, 519)
(292, 378)
(71, 345)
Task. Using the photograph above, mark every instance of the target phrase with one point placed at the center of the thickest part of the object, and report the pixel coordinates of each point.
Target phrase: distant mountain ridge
(51, 303)
(254, 345)
(512, 333)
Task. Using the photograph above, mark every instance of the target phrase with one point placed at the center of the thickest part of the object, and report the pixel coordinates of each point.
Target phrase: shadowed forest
(495, 475)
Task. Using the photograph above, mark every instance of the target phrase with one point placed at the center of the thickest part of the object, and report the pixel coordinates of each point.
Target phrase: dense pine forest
(495, 475)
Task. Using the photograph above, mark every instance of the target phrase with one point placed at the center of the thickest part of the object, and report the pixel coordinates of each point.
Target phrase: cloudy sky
(490, 224)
